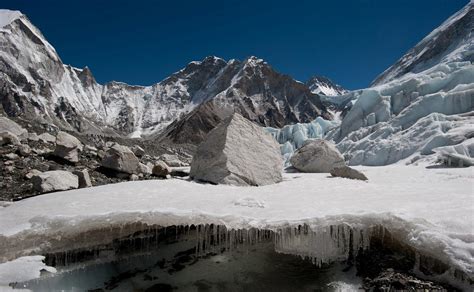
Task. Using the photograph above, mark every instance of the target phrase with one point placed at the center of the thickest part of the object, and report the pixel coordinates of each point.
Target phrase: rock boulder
(7, 125)
(238, 152)
(161, 169)
(67, 147)
(348, 172)
(317, 156)
(57, 180)
(84, 178)
(121, 158)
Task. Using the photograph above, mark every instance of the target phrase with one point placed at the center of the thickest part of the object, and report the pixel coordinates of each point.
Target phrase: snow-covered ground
(432, 209)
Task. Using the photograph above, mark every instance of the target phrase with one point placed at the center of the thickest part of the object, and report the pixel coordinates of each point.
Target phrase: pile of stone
(32, 163)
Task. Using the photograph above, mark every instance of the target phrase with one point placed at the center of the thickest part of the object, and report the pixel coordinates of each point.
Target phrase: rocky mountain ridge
(35, 83)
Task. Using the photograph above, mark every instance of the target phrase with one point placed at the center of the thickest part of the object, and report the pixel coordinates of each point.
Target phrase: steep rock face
(35, 83)
(238, 152)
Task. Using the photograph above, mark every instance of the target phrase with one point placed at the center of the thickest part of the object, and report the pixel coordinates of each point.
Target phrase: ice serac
(460, 155)
(424, 101)
(238, 152)
(292, 137)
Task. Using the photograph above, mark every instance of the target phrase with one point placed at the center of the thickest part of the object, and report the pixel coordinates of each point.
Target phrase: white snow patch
(21, 270)
(8, 16)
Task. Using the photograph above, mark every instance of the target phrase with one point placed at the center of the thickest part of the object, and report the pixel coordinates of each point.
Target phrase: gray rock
(348, 172)
(9, 169)
(32, 173)
(90, 148)
(33, 137)
(57, 180)
(161, 169)
(122, 159)
(84, 178)
(101, 154)
(144, 169)
(23, 150)
(7, 125)
(179, 171)
(317, 156)
(7, 138)
(67, 147)
(238, 152)
(11, 156)
(172, 160)
(47, 138)
(138, 151)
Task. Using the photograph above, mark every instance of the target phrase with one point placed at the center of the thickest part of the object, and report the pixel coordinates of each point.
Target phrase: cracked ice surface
(430, 209)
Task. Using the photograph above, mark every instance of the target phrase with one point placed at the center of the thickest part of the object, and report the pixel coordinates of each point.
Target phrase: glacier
(292, 137)
(424, 208)
(424, 101)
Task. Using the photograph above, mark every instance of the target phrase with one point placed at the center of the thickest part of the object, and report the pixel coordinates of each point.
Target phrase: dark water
(177, 267)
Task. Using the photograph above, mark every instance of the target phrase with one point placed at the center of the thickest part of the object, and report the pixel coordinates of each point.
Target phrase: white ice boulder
(238, 152)
(317, 156)
(461, 155)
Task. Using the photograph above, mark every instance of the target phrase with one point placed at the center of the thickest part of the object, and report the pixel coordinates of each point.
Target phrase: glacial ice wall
(411, 115)
(292, 137)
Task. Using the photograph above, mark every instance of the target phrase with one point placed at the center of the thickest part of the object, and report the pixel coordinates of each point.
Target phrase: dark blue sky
(142, 42)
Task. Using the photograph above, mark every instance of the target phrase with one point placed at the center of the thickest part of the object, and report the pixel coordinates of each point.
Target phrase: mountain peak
(452, 41)
(254, 61)
(323, 85)
(8, 16)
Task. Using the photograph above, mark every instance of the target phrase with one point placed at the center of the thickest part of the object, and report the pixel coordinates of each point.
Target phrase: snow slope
(324, 86)
(429, 209)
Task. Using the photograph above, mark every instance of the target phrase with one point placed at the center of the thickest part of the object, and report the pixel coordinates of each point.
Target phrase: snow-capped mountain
(36, 84)
(324, 86)
(422, 103)
(450, 42)
(256, 91)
